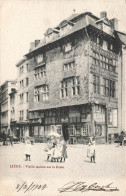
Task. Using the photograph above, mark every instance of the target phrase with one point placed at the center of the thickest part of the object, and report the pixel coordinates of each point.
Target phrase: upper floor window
(69, 66)
(96, 84)
(27, 96)
(21, 115)
(21, 70)
(21, 84)
(27, 67)
(40, 72)
(27, 81)
(98, 40)
(39, 58)
(76, 86)
(21, 98)
(109, 88)
(112, 88)
(105, 45)
(67, 47)
(64, 88)
(41, 90)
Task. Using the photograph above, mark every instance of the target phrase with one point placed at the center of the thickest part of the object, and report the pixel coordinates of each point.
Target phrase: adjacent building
(6, 88)
(22, 124)
(73, 79)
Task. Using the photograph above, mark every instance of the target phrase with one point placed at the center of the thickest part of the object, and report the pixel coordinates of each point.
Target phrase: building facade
(122, 83)
(73, 80)
(22, 124)
(6, 88)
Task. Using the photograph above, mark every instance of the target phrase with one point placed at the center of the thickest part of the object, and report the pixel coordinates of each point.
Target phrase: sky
(23, 21)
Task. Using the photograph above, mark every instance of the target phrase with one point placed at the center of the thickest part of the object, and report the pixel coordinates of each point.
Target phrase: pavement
(110, 167)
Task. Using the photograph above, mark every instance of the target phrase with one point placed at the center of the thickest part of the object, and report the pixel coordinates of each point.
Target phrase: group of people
(56, 150)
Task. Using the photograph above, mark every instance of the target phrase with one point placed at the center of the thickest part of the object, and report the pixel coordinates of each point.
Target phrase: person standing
(4, 138)
(121, 138)
(11, 139)
(63, 151)
(91, 150)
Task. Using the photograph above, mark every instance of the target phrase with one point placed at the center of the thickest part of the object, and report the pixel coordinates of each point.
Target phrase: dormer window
(67, 47)
(65, 26)
(51, 34)
(105, 45)
(39, 58)
(98, 40)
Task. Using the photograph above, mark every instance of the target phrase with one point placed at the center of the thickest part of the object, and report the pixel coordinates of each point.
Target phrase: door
(65, 132)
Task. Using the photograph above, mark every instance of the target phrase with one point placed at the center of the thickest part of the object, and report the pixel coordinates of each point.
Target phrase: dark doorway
(65, 132)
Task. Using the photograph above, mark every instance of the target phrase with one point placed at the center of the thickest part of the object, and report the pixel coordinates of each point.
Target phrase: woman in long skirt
(63, 150)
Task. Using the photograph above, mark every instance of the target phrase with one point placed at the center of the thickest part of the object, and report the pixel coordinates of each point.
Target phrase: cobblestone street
(109, 167)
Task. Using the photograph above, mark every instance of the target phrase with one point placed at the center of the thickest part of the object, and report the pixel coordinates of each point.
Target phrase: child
(28, 150)
(91, 149)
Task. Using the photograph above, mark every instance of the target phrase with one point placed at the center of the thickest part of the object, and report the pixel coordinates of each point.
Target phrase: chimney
(103, 14)
(37, 42)
(114, 23)
(32, 45)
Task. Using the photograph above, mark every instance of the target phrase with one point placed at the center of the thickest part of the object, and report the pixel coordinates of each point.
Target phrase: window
(85, 130)
(109, 88)
(96, 83)
(36, 95)
(112, 88)
(106, 87)
(21, 115)
(40, 72)
(76, 86)
(69, 66)
(27, 81)
(105, 45)
(43, 90)
(67, 47)
(21, 98)
(27, 114)
(72, 130)
(27, 67)
(98, 40)
(21, 70)
(112, 117)
(64, 88)
(59, 129)
(39, 58)
(27, 97)
(21, 84)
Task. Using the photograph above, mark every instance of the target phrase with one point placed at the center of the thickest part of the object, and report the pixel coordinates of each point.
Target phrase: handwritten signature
(25, 187)
(82, 187)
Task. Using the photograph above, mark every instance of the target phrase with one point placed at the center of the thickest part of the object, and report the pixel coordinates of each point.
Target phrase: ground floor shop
(75, 123)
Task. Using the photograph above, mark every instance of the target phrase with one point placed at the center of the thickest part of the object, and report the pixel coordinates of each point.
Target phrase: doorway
(65, 132)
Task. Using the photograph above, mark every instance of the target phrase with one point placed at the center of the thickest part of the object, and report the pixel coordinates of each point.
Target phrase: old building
(122, 83)
(6, 88)
(73, 79)
(22, 124)
(13, 112)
